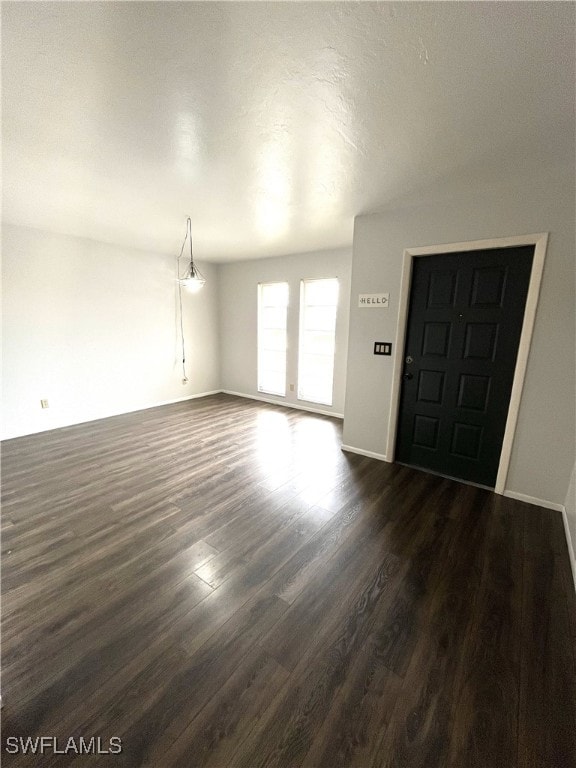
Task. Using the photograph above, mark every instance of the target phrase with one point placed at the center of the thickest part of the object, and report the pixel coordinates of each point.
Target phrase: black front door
(464, 325)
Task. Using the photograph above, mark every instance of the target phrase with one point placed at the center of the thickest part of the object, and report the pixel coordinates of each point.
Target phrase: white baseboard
(110, 414)
(181, 399)
(534, 500)
(286, 404)
(361, 452)
(571, 553)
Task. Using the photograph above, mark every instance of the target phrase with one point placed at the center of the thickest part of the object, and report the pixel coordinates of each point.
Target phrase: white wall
(93, 328)
(543, 452)
(239, 320)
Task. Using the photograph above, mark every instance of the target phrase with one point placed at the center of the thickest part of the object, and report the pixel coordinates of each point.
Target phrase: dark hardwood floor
(217, 584)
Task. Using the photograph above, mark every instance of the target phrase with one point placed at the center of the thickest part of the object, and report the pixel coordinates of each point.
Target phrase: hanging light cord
(188, 226)
(187, 236)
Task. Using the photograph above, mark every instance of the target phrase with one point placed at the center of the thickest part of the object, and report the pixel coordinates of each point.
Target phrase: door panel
(464, 326)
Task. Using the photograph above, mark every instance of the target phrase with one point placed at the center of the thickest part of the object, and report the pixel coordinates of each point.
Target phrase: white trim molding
(533, 500)
(361, 452)
(571, 553)
(539, 241)
(182, 399)
(297, 406)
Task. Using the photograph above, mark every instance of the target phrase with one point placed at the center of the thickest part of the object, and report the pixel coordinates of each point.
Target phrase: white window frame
(301, 331)
(259, 349)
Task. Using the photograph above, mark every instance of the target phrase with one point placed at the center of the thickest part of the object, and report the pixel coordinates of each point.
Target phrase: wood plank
(547, 716)
(205, 672)
(490, 662)
(287, 733)
(352, 613)
(216, 734)
(361, 708)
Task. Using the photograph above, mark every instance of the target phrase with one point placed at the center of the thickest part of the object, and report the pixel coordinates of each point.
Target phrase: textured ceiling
(271, 124)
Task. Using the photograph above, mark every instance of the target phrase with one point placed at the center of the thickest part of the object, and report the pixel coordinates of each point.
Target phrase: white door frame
(539, 241)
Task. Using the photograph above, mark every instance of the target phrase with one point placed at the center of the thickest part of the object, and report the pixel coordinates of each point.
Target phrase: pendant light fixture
(193, 280)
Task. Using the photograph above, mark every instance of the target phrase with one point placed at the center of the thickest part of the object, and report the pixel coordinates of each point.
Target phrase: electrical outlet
(291, 387)
(44, 403)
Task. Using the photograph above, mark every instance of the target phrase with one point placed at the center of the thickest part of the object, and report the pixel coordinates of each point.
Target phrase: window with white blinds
(272, 312)
(318, 306)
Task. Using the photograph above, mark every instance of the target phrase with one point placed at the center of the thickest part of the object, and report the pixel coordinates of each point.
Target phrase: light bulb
(193, 284)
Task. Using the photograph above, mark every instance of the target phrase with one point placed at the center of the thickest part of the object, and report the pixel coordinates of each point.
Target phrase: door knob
(408, 376)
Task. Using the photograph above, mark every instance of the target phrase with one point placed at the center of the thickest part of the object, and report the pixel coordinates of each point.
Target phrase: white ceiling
(271, 124)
